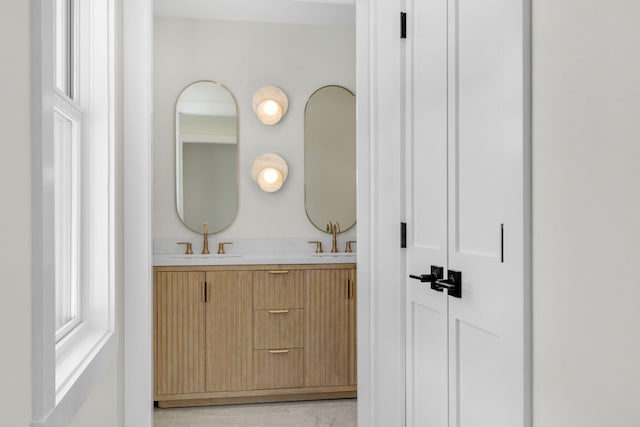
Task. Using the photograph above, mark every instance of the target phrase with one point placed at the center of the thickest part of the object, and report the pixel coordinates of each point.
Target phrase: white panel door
(465, 199)
(426, 212)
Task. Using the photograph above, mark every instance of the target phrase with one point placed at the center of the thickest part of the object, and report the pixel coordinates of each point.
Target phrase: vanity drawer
(281, 328)
(278, 289)
(278, 368)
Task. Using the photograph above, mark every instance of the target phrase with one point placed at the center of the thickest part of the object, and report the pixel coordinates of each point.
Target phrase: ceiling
(314, 12)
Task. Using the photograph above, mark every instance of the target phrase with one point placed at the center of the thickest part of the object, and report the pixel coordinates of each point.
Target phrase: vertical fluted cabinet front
(254, 333)
(326, 346)
(179, 333)
(229, 330)
(353, 328)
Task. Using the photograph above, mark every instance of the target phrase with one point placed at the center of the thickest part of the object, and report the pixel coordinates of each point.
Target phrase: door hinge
(403, 25)
(403, 235)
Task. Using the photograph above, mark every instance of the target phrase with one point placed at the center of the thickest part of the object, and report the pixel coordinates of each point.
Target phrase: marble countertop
(252, 251)
(168, 259)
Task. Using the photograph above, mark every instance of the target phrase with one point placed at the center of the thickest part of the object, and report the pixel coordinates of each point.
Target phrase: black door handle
(453, 283)
(424, 277)
(436, 274)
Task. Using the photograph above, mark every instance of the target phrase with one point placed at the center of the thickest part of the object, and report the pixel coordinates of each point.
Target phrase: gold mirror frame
(330, 157)
(214, 181)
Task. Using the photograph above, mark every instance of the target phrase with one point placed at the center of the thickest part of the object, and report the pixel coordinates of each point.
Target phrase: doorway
(242, 55)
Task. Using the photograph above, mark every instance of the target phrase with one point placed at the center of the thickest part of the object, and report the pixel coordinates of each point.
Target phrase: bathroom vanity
(270, 321)
(235, 331)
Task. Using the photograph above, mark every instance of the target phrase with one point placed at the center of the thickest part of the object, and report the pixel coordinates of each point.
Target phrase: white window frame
(66, 368)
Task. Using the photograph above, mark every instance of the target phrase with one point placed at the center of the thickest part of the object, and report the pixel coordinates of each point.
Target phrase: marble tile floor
(320, 413)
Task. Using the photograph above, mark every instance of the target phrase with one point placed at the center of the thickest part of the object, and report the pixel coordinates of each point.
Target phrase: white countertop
(252, 251)
(172, 259)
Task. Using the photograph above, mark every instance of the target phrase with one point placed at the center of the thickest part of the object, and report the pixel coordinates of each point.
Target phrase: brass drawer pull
(278, 271)
(278, 311)
(278, 351)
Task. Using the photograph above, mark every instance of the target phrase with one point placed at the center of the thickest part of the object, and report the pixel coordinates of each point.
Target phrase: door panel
(326, 345)
(426, 211)
(353, 329)
(179, 333)
(485, 164)
(426, 380)
(229, 341)
(478, 390)
(465, 198)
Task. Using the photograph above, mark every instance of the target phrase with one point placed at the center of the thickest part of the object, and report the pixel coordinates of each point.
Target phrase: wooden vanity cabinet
(179, 333)
(277, 327)
(353, 328)
(233, 334)
(326, 328)
(228, 331)
(202, 330)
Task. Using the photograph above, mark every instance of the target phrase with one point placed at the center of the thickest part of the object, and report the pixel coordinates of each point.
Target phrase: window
(66, 183)
(74, 224)
(65, 44)
(67, 163)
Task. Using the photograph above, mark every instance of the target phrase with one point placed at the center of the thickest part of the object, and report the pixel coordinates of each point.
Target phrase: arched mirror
(206, 156)
(330, 157)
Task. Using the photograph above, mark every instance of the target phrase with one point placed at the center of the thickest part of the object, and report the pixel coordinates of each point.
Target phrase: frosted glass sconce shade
(270, 172)
(270, 104)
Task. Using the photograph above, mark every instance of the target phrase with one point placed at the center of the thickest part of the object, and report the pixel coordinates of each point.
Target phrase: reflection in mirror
(330, 157)
(206, 156)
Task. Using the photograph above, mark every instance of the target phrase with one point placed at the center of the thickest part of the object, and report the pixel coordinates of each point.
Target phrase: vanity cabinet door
(179, 333)
(353, 359)
(326, 346)
(229, 346)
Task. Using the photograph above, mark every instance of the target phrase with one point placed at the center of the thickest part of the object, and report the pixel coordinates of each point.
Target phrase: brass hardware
(189, 249)
(278, 311)
(205, 291)
(205, 243)
(278, 351)
(221, 247)
(318, 244)
(334, 229)
(348, 248)
(279, 271)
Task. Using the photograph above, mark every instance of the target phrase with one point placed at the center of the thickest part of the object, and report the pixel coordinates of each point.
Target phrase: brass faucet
(221, 247)
(318, 244)
(334, 229)
(189, 249)
(205, 243)
(348, 248)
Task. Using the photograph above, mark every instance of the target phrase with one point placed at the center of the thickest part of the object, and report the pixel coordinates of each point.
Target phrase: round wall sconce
(270, 172)
(270, 104)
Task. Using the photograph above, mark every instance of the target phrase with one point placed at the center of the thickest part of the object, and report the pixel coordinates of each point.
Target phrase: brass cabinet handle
(278, 351)
(278, 311)
(205, 291)
(278, 271)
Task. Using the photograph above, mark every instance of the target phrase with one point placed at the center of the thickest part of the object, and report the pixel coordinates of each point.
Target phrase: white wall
(244, 57)
(102, 406)
(15, 252)
(586, 213)
(15, 217)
